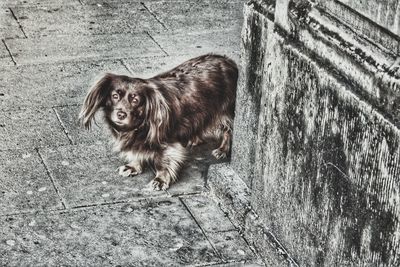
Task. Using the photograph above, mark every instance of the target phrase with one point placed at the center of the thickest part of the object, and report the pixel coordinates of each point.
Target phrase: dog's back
(205, 88)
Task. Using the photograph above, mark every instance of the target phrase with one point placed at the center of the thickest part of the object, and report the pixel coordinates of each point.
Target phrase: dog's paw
(219, 154)
(194, 142)
(158, 184)
(126, 171)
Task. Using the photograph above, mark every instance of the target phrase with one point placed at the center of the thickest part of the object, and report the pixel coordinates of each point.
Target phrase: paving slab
(85, 20)
(64, 204)
(5, 59)
(151, 66)
(191, 180)
(87, 175)
(238, 264)
(197, 43)
(9, 27)
(156, 233)
(208, 214)
(100, 47)
(18, 3)
(106, 2)
(30, 128)
(197, 15)
(98, 134)
(48, 85)
(24, 183)
(231, 246)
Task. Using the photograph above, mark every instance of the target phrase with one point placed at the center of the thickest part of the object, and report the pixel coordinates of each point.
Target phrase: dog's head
(128, 104)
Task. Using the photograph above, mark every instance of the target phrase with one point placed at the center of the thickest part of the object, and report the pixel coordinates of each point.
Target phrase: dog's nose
(121, 115)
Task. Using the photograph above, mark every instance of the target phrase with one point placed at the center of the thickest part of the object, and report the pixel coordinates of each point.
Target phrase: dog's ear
(95, 99)
(157, 117)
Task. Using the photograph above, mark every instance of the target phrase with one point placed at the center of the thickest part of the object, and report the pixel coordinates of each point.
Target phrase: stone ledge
(369, 68)
(234, 198)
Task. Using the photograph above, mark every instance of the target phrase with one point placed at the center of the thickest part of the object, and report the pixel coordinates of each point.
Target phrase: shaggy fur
(155, 120)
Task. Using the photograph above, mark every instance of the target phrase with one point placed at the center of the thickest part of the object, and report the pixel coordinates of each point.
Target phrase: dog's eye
(115, 96)
(133, 99)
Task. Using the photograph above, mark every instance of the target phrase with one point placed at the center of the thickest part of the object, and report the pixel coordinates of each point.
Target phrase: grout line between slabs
(252, 248)
(91, 205)
(154, 15)
(154, 40)
(7, 109)
(85, 206)
(51, 179)
(218, 264)
(63, 126)
(30, 212)
(9, 52)
(126, 66)
(19, 23)
(202, 230)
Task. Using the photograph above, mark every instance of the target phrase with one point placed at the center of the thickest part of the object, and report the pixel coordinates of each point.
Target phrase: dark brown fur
(154, 120)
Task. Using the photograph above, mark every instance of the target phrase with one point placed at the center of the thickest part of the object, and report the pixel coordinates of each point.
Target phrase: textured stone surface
(159, 233)
(326, 152)
(191, 180)
(231, 246)
(51, 49)
(105, 2)
(237, 264)
(29, 128)
(48, 85)
(98, 134)
(151, 66)
(334, 155)
(384, 13)
(9, 27)
(85, 20)
(24, 183)
(351, 15)
(88, 175)
(5, 59)
(38, 3)
(249, 95)
(62, 201)
(234, 198)
(197, 43)
(208, 214)
(184, 16)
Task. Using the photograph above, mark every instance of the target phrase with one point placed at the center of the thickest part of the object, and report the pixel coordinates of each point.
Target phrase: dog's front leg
(162, 180)
(131, 169)
(167, 165)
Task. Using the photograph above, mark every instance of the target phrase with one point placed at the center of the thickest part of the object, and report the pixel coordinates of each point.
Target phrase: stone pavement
(61, 200)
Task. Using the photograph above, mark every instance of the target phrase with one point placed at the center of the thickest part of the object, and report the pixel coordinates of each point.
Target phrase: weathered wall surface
(249, 95)
(385, 13)
(317, 138)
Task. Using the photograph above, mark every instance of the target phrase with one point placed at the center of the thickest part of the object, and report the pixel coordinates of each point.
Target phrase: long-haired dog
(155, 120)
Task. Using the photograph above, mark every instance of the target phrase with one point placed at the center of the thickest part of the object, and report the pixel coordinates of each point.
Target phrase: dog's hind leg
(194, 142)
(225, 133)
(223, 150)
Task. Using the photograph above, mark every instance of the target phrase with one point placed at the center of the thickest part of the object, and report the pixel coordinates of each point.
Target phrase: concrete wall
(317, 138)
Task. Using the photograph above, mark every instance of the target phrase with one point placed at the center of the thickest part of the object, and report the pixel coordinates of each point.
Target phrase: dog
(157, 120)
